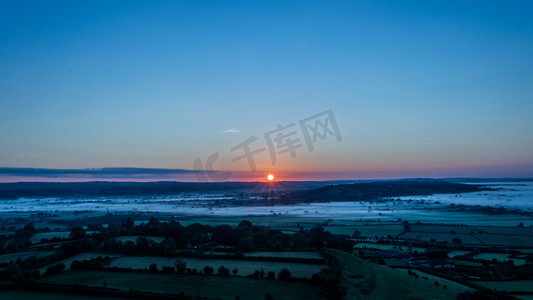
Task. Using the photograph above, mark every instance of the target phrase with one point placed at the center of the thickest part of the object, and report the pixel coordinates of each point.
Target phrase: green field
(388, 247)
(370, 230)
(36, 237)
(133, 238)
(499, 236)
(523, 297)
(6, 258)
(455, 253)
(365, 280)
(515, 286)
(33, 295)
(464, 263)
(300, 270)
(291, 254)
(501, 257)
(80, 257)
(218, 287)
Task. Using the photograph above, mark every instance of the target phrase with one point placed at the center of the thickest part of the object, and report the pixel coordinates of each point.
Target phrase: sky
(416, 88)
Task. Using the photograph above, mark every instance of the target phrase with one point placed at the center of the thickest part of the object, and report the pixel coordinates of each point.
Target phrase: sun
(270, 177)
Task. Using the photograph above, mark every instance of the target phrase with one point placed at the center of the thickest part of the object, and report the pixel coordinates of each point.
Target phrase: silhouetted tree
(284, 275)
(246, 244)
(223, 271)
(208, 270)
(170, 247)
(181, 266)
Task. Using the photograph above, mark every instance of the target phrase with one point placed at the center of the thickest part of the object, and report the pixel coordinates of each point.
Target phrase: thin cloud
(231, 130)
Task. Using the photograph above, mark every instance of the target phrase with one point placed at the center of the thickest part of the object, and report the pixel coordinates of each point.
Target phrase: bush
(208, 270)
(284, 275)
(269, 296)
(167, 270)
(271, 275)
(223, 271)
(153, 268)
(56, 269)
(170, 247)
(246, 244)
(181, 265)
(76, 265)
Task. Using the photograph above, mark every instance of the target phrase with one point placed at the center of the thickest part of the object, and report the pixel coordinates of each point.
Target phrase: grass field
(36, 237)
(501, 236)
(387, 247)
(80, 257)
(365, 280)
(500, 257)
(465, 263)
(515, 286)
(206, 286)
(292, 254)
(32, 295)
(300, 270)
(523, 297)
(455, 253)
(6, 258)
(370, 230)
(133, 238)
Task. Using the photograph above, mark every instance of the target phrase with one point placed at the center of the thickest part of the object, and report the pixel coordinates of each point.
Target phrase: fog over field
(505, 194)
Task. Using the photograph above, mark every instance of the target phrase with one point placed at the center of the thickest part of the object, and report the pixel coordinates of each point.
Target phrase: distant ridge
(304, 191)
(474, 179)
(88, 171)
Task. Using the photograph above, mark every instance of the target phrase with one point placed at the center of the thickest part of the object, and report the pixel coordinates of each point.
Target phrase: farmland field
(455, 253)
(35, 295)
(81, 256)
(133, 238)
(219, 287)
(366, 280)
(292, 254)
(36, 238)
(508, 236)
(387, 247)
(6, 258)
(301, 270)
(369, 230)
(501, 257)
(515, 285)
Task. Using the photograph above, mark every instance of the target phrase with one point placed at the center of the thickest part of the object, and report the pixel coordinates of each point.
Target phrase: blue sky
(418, 88)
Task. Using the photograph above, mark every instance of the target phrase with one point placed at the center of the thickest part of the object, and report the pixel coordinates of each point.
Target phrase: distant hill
(90, 171)
(389, 188)
(160, 188)
(289, 191)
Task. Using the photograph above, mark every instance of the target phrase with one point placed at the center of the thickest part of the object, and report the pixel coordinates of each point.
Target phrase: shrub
(223, 271)
(167, 270)
(269, 296)
(284, 275)
(208, 270)
(153, 268)
(271, 275)
(181, 265)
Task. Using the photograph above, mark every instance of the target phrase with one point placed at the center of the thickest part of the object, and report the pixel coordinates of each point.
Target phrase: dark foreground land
(142, 255)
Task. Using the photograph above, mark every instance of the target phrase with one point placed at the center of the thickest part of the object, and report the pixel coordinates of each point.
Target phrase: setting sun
(270, 177)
